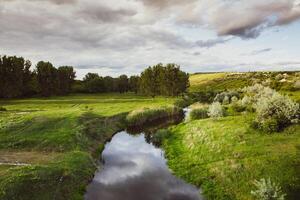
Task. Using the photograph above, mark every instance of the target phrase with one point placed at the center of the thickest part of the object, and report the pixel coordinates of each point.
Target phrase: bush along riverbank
(147, 116)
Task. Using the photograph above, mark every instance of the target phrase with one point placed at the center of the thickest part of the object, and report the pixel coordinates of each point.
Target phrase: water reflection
(136, 170)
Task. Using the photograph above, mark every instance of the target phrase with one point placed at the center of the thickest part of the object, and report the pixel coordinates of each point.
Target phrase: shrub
(160, 136)
(276, 112)
(266, 190)
(226, 100)
(297, 85)
(182, 103)
(199, 113)
(238, 107)
(234, 99)
(258, 91)
(225, 97)
(215, 110)
(2, 109)
(146, 115)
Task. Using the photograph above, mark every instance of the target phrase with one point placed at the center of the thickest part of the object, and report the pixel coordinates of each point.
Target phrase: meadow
(224, 157)
(52, 144)
(50, 147)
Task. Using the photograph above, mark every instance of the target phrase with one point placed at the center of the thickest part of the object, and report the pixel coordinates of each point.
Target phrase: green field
(227, 81)
(49, 147)
(58, 138)
(225, 157)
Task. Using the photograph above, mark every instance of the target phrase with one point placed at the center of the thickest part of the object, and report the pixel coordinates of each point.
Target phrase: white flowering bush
(297, 85)
(257, 91)
(226, 100)
(215, 110)
(276, 112)
(267, 190)
(234, 99)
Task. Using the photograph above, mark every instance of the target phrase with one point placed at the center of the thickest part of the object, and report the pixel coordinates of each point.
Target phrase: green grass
(143, 116)
(217, 81)
(224, 157)
(232, 81)
(58, 137)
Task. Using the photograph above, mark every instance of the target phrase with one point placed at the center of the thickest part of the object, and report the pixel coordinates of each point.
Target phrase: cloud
(243, 18)
(257, 52)
(103, 14)
(250, 21)
(92, 34)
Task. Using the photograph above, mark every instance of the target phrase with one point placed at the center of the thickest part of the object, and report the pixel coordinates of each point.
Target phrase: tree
(66, 76)
(147, 85)
(166, 80)
(47, 78)
(134, 84)
(90, 76)
(94, 83)
(15, 76)
(123, 84)
(109, 84)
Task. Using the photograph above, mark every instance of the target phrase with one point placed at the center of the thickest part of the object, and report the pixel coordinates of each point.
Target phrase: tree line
(18, 80)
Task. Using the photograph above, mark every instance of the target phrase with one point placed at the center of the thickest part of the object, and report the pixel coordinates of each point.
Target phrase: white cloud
(132, 34)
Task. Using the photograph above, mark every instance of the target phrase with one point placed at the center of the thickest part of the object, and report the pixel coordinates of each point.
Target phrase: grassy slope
(217, 81)
(58, 136)
(224, 157)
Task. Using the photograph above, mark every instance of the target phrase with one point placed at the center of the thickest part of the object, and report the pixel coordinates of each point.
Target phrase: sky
(114, 37)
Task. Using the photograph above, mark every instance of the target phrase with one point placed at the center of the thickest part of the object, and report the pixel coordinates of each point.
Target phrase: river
(135, 169)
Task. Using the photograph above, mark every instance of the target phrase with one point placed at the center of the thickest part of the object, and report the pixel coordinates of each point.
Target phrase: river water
(134, 169)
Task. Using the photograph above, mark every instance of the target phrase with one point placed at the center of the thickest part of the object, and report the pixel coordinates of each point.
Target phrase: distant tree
(134, 83)
(90, 76)
(30, 83)
(15, 76)
(109, 84)
(47, 78)
(166, 80)
(123, 84)
(94, 83)
(147, 81)
(66, 76)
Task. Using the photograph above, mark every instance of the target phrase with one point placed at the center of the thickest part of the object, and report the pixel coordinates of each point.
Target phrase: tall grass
(146, 115)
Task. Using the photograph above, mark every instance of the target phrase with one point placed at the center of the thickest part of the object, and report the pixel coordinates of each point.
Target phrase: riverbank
(226, 156)
(59, 139)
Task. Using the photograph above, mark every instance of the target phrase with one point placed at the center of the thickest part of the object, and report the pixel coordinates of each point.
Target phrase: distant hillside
(284, 81)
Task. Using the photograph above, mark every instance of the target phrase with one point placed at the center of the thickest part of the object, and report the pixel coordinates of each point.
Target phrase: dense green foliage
(199, 113)
(143, 116)
(17, 80)
(166, 80)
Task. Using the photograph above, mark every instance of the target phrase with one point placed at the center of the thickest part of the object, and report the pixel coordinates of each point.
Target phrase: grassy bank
(281, 81)
(57, 140)
(225, 157)
(144, 116)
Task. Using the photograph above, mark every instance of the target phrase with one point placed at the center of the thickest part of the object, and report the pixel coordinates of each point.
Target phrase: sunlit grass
(225, 156)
